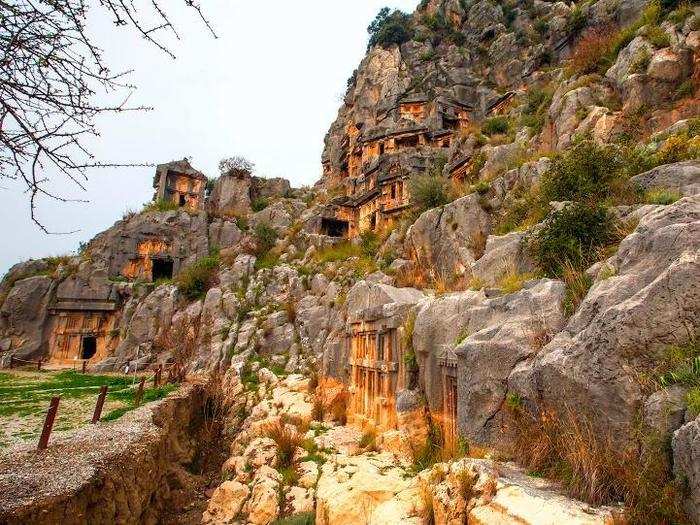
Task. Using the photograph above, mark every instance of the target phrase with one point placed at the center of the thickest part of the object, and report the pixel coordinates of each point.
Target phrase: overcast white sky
(268, 88)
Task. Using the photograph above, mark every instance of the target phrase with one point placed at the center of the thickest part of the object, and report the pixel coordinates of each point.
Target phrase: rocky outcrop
(489, 338)
(23, 316)
(651, 301)
(686, 464)
(177, 235)
(449, 239)
(681, 177)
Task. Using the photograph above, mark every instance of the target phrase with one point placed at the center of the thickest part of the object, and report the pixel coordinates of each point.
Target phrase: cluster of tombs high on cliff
(372, 165)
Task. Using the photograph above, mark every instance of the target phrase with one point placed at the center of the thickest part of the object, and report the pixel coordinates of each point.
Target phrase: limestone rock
(681, 177)
(651, 302)
(226, 503)
(263, 506)
(665, 410)
(686, 464)
(503, 254)
(670, 65)
(298, 500)
(446, 240)
(261, 451)
(365, 489)
(308, 474)
(23, 314)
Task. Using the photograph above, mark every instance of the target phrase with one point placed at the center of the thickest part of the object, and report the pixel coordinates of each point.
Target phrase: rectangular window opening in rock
(161, 269)
(88, 347)
(334, 227)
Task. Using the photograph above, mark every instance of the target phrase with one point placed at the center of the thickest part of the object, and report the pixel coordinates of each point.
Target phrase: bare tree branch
(50, 72)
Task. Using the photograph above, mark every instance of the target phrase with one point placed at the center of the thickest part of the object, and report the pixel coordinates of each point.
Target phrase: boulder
(231, 194)
(503, 254)
(363, 489)
(263, 506)
(686, 465)
(23, 314)
(681, 177)
(447, 240)
(226, 503)
(664, 411)
(366, 295)
(627, 57)
(261, 451)
(670, 65)
(279, 215)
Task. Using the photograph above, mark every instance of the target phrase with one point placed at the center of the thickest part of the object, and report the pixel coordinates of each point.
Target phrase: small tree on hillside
(390, 28)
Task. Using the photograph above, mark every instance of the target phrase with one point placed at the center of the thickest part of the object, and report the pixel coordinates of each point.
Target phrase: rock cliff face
(498, 267)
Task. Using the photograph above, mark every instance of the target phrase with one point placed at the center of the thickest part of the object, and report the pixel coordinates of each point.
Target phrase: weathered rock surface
(651, 302)
(446, 240)
(681, 177)
(686, 464)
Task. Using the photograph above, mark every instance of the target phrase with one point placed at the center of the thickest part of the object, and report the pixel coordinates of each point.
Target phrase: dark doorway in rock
(89, 347)
(182, 200)
(334, 227)
(162, 269)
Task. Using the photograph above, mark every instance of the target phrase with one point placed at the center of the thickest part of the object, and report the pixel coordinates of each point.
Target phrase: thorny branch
(50, 72)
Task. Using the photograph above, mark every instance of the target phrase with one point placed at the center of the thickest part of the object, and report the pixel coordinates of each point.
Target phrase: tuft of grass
(430, 452)
(680, 365)
(512, 281)
(661, 196)
(577, 285)
(300, 518)
(265, 238)
(161, 205)
(496, 126)
(657, 36)
(287, 439)
(368, 441)
(568, 448)
(259, 203)
(194, 281)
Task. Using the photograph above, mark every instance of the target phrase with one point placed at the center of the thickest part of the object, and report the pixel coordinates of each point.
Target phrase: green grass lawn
(25, 396)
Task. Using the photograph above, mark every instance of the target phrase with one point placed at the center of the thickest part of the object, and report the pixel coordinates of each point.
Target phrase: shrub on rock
(195, 281)
(573, 236)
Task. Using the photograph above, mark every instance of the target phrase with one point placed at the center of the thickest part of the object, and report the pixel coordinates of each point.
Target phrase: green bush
(586, 172)
(195, 281)
(495, 126)
(572, 238)
(369, 243)
(265, 238)
(389, 28)
(259, 203)
(428, 191)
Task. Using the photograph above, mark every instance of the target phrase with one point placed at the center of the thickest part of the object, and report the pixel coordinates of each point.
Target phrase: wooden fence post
(100, 403)
(156, 376)
(139, 392)
(12, 361)
(48, 423)
(38, 364)
(84, 366)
